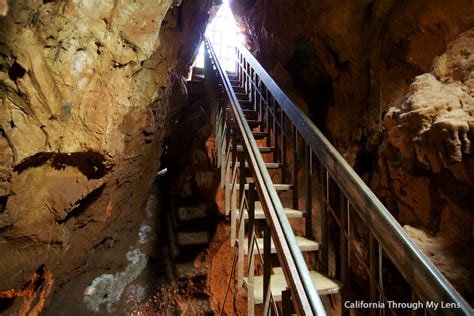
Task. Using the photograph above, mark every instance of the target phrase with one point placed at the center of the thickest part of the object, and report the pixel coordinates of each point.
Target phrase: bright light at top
(223, 34)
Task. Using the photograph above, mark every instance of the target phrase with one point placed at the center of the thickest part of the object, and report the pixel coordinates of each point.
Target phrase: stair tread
(269, 165)
(259, 135)
(278, 186)
(324, 285)
(303, 243)
(260, 213)
(262, 149)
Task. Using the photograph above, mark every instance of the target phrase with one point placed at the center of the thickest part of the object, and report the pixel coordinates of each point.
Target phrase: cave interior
(111, 195)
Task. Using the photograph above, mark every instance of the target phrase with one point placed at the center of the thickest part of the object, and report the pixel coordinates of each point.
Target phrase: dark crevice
(91, 164)
(16, 71)
(106, 242)
(147, 133)
(366, 162)
(34, 161)
(4, 230)
(39, 281)
(311, 79)
(3, 203)
(5, 303)
(82, 205)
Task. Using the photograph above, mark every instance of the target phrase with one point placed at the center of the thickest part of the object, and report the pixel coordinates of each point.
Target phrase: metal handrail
(415, 267)
(294, 267)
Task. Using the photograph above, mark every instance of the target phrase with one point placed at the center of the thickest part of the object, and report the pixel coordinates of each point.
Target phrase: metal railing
(345, 200)
(232, 128)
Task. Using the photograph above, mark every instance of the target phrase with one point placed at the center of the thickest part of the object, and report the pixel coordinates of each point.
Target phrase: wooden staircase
(324, 284)
(260, 132)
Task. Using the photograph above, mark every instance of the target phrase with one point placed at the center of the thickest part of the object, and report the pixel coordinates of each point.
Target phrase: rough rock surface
(348, 62)
(427, 166)
(87, 91)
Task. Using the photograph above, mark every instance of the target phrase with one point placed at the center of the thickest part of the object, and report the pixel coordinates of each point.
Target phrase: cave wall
(87, 92)
(353, 67)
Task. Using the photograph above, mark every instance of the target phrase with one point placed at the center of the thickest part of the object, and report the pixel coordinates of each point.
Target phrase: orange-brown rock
(427, 166)
(87, 92)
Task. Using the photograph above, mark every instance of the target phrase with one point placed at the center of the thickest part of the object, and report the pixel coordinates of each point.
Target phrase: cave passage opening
(224, 35)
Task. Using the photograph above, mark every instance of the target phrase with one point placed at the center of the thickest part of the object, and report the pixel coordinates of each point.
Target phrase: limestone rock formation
(427, 166)
(350, 60)
(87, 91)
(348, 63)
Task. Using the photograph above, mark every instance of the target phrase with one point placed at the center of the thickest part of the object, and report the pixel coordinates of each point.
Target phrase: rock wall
(348, 63)
(87, 91)
(426, 169)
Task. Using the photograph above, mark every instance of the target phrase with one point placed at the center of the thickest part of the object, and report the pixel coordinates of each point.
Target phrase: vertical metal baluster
(283, 147)
(241, 156)
(244, 73)
(233, 208)
(309, 190)
(224, 161)
(260, 111)
(344, 277)
(267, 116)
(380, 272)
(241, 73)
(324, 221)
(251, 87)
(242, 224)
(245, 77)
(264, 105)
(251, 248)
(294, 171)
(240, 264)
(218, 136)
(255, 88)
(286, 304)
(373, 271)
(267, 267)
(275, 132)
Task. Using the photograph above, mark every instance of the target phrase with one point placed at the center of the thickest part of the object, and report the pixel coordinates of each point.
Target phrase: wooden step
(238, 89)
(247, 105)
(269, 165)
(278, 186)
(324, 285)
(250, 114)
(263, 150)
(303, 243)
(260, 214)
(254, 123)
(233, 75)
(242, 96)
(198, 70)
(251, 123)
(259, 135)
